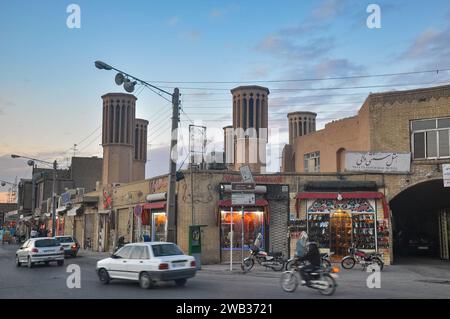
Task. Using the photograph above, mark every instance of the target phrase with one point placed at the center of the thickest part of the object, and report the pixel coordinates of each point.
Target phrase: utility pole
(55, 167)
(171, 204)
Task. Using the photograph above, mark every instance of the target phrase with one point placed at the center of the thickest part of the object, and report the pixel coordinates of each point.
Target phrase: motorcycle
(322, 279)
(273, 260)
(357, 256)
(325, 261)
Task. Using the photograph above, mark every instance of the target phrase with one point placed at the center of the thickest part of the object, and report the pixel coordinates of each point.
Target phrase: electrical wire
(313, 79)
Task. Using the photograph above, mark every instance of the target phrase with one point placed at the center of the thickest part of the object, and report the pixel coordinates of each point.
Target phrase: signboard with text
(242, 199)
(246, 174)
(243, 187)
(378, 162)
(446, 174)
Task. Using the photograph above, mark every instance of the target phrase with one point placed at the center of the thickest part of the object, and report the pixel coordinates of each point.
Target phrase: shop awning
(258, 202)
(155, 205)
(346, 195)
(61, 209)
(73, 211)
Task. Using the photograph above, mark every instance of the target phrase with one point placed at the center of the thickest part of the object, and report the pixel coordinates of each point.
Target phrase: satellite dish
(3, 183)
(119, 78)
(129, 86)
(30, 163)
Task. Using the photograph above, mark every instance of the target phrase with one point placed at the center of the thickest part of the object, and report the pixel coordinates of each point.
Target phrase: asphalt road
(410, 280)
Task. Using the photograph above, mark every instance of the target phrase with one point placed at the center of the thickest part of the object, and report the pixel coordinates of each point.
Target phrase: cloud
(173, 21)
(431, 47)
(288, 48)
(328, 9)
(218, 13)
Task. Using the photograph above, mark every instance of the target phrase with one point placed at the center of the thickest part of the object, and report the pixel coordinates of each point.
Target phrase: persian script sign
(378, 162)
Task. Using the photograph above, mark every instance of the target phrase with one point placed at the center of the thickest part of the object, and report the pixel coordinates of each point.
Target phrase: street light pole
(54, 165)
(123, 78)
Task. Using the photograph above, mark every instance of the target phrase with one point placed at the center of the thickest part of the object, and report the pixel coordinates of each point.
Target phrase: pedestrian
(300, 249)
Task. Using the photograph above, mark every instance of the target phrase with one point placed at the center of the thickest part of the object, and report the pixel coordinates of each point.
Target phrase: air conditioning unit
(115, 184)
(80, 191)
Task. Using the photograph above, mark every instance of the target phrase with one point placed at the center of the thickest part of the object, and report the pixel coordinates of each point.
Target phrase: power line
(316, 89)
(312, 79)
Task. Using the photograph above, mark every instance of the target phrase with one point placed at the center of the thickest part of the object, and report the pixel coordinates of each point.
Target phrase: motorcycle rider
(312, 256)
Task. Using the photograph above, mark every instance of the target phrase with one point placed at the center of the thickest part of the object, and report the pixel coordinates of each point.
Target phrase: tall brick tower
(140, 149)
(119, 111)
(250, 122)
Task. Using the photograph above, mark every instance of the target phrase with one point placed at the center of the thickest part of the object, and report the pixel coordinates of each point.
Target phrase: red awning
(258, 202)
(349, 195)
(155, 205)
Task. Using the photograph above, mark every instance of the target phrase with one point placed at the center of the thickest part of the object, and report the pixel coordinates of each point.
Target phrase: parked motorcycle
(321, 279)
(325, 261)
(273, 260)
(357, 256)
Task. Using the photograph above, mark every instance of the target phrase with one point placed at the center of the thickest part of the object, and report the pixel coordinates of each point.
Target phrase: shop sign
(378, 162)
(243, 187)
(446, 174)
(259, 179)
(242, 199)
(65, 198)
(246, 174)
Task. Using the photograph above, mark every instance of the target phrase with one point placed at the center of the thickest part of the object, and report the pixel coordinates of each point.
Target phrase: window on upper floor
(430, 139)
(311, 162)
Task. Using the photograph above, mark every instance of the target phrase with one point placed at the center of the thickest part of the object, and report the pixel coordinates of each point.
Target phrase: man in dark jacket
(313, 259)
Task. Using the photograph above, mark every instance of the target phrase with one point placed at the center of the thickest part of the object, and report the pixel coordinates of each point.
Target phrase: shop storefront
(247, 220)
(336, 221)
(150, 219)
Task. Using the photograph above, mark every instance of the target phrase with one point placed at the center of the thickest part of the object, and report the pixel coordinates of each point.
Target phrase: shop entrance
(340, 233)
(420, 221)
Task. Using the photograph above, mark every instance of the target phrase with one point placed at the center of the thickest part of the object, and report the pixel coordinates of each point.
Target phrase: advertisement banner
(378, 162)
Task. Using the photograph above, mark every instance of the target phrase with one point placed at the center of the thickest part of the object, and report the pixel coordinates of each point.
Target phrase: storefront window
(153, 226)
(253, 225)
(159, 222)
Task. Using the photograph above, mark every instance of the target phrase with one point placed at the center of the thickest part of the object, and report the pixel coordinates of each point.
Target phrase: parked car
(420, 244)
(70, 244)
(148, 263)
(37, 250)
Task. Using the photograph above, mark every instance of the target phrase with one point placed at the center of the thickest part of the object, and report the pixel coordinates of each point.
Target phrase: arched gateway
(421, 220)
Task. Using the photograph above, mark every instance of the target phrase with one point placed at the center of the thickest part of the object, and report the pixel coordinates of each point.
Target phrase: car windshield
(65, 239)
(166, 250)
(46, 243)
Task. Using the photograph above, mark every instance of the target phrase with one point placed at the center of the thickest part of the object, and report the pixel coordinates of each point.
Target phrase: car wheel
(145, 281)
(18, 263)
(46, 263)
(60, 262)
(29, 264)
(180, 282)
(103, 276)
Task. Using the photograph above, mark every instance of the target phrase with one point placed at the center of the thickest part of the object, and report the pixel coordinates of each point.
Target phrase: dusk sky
(50, 90)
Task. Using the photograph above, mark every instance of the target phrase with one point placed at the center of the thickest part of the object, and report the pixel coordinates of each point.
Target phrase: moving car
(37, 250)
(147, 263)
(70, 245)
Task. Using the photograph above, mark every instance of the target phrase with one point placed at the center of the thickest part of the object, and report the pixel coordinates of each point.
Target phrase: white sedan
(148, 263)
(37, 250)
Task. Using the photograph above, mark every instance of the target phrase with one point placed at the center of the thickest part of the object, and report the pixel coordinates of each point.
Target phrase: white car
(37, 250)
(148, 263)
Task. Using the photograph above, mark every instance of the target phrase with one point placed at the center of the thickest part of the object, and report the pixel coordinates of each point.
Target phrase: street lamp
(129, 82)
(12, 189)
(54, 165)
